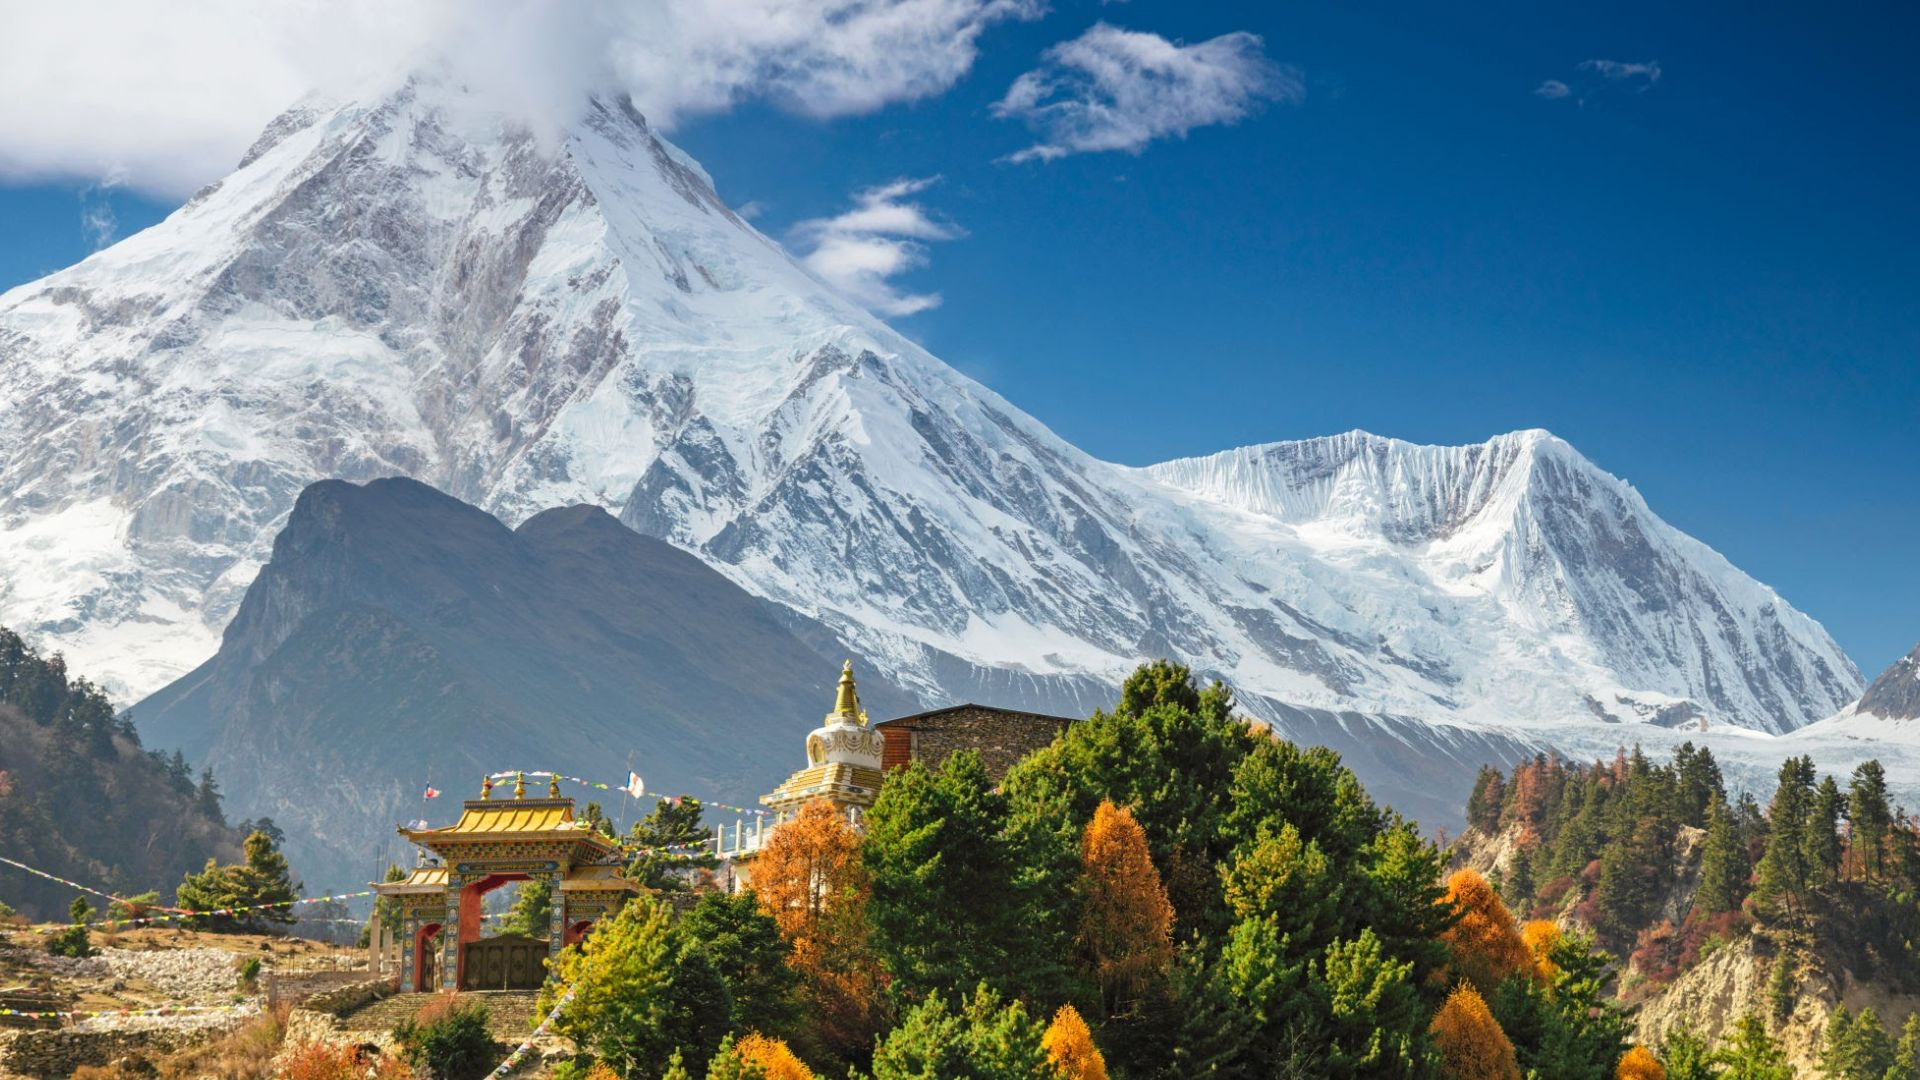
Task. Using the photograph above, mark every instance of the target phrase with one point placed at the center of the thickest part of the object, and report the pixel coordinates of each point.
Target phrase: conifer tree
(1070, 1049)
(1906, 1054)
(1486, 944)
(756, 1057)
(935, 845)
(672, 823)
(260, 890)
(1752, 1054)
(1856, 1047)
(620, 976)
(1687, 1056)
(532, 909)
(1369, 1014)
(810, 880)
(1786, 874)
(1823, 831)
(749, 952)
(1723, 864)
(1520, 884)
(1869, 817)
(1639, 1063)
(1489, 795)
(983, 1040)
(1126, 922)
(1469, 1040)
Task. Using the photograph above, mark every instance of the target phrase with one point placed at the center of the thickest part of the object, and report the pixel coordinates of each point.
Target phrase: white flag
(634, 787)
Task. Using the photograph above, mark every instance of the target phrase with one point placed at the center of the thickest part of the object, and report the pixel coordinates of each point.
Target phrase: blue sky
(1704, 280)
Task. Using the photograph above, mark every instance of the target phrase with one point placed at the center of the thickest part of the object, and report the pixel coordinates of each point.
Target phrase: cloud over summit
(170, 95)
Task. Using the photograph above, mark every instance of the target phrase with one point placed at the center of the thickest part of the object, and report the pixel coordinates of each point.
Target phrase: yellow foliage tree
(1070, 1048)
(1471, 1044)
(770, 1059)
(809, 879)
(1126, 920)
(1540, 936)
(1486, 944)
(1640, 1064)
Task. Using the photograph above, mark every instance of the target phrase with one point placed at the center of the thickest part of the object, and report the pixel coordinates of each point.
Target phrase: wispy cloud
(1623, 70)
(106, 86)
(863, 249)
(1115, 89)
(1594, 77)
(97, 220)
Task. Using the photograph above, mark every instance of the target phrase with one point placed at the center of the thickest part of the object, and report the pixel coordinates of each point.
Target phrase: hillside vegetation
(80, 798)
(1798, 921)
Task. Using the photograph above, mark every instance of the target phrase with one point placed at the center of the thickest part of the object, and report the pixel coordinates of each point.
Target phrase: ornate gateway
(493, 843)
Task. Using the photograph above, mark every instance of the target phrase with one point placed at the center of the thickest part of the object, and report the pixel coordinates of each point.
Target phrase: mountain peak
(415, 285)
(1895, 695)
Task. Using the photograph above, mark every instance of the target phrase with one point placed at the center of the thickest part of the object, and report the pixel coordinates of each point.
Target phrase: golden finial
(486, 787)
(519, 785)
(847, 703)
(553, 788)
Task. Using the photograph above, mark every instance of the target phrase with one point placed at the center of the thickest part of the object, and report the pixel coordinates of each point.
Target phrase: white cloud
(861, 250)
(1115, 89)
(172, 93)
(97, 219)
(1614, 76)
(1616, 69)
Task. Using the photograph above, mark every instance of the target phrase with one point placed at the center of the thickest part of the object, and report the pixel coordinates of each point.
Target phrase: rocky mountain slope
(399, 636)
(1889, 711)
(409, 285)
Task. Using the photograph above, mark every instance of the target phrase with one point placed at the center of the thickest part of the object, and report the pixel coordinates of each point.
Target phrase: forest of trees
(80, 797)
(1826, 874)
(1163, 892)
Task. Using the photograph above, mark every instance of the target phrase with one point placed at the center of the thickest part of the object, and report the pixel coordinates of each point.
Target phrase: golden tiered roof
(545, 821)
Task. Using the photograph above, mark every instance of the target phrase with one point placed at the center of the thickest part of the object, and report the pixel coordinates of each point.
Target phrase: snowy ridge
(407, 285)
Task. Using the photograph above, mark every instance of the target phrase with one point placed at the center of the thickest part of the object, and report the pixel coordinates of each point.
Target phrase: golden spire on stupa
(846, 704)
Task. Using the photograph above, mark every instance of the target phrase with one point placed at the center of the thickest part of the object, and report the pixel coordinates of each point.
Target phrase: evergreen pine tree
(1752, 1054)
(1823, 831)
(1489, 794)
(1869, 817)
(1723, 864)
(1786, 875)
(1856, 1047)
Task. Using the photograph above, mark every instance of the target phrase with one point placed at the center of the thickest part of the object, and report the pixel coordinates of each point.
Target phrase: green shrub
(71, 942)
(449, 1040)
(249, 970)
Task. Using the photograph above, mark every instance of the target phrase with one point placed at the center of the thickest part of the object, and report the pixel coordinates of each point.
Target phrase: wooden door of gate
(507, 962)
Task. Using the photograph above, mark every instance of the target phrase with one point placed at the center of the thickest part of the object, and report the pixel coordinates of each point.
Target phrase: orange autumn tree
(1486, 945)
(809, 879)
(1471, 1044)
(1126, 922)
(1640, 1064)
(1070, 1049)
(757, 1056)
(1540, 936)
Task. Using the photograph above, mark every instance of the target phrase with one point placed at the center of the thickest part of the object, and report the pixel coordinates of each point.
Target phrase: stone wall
(1000, 736)
(344, 999)
(55, 1054)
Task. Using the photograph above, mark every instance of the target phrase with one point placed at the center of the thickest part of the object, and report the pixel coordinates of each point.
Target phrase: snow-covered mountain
(1889, 711)
(408, 285)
